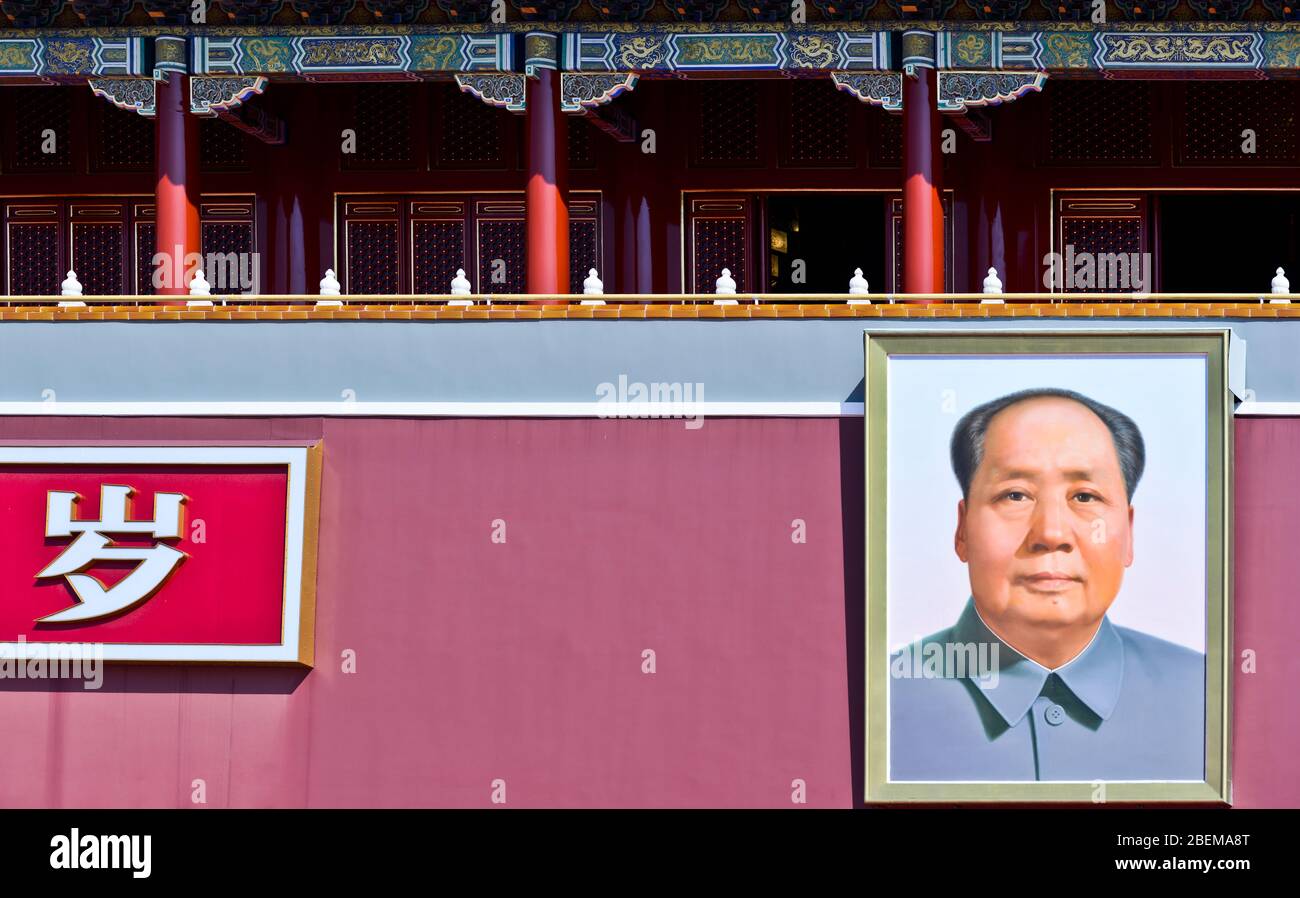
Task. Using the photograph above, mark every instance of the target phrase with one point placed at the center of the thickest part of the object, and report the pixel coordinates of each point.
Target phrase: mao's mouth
(1050, 581)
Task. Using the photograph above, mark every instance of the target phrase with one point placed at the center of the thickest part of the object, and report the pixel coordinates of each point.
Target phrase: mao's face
(1047, 530)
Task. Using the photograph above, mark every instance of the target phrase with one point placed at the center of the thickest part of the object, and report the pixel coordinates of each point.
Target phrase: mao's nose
(1048, 529)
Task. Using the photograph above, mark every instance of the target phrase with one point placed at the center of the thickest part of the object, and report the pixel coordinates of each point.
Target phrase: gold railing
(816, 299)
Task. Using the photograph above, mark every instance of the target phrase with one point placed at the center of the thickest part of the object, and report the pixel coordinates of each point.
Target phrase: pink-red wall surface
(1266, 725)
(522, 661)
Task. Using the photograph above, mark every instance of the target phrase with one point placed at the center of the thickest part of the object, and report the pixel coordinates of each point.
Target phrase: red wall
(478, 661)
(1266, 710)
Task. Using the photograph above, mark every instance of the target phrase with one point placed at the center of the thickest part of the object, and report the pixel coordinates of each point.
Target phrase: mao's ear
(959, 540)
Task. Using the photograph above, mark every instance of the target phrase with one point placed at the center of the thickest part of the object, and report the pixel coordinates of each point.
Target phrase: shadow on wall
(853, 526)
(118, 677)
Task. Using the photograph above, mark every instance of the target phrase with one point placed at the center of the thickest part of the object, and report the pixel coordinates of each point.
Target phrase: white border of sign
(295, 458)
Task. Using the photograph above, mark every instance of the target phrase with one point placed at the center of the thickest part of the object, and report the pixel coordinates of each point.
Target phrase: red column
(547, 193)
(922, 208)
(176, 190)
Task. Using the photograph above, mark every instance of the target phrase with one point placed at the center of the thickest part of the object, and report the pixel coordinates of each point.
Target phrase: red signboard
(175, 553)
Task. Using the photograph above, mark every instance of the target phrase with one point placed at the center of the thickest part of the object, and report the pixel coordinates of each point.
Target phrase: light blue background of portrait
(1163, 593)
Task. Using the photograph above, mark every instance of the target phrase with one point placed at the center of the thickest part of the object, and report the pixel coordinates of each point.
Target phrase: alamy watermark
(1118, 272)
(76, 851)
(922, 660)
(53, 661)
(634, 399)
(227, 272)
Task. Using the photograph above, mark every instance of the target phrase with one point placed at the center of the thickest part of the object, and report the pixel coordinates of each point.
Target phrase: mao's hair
(968, 436)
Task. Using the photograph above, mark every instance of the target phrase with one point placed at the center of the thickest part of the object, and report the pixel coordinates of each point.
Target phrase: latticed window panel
(442, 232)
(146, 238)
(719, 243)
(373, 256)
(40, 126)
(1100, 122)
(228, 252)
(437, 250)
(125, 140)
(221, 146)
(727, 123)
(581, 153)
(899, 241)
(110, 243)
(501, 256)
(1216, 115)
(584, 251)
(887, 148)
(98, 257)
(382, 118)
(469, 135)
(820, 118)
(1102, 252)
(1102, 235)
(34, 259)
(900, 248)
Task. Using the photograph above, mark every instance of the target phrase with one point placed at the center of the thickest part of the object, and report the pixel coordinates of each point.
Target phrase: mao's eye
(1015, 496)
(1087, 497)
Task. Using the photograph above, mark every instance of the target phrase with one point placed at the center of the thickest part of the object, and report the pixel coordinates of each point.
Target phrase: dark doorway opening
(815, 240)
(1227, 242)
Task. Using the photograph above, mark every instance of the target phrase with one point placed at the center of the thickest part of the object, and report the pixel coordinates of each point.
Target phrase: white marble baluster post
(725, 286)
(858, 287)
(593, 286)
(199, 286)
(992, 286)
(1281, 286)
(330, 287)
(71, 287)
(461, 287)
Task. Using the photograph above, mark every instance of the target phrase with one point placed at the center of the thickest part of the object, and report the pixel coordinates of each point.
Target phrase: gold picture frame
(1211, 344)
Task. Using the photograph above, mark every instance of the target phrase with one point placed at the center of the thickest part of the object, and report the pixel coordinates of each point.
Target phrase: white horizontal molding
(1252, 408)
(356, 408)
